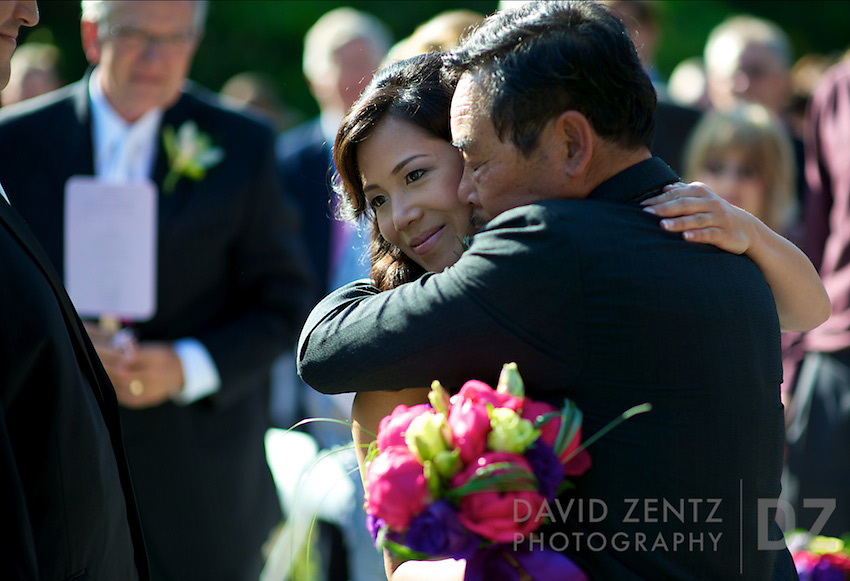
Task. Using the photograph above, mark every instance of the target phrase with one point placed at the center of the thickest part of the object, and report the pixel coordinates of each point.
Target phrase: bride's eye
(413, 176)
(377, 201)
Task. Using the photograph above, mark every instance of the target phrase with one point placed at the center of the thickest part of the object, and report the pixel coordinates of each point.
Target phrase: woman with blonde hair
(745, 155)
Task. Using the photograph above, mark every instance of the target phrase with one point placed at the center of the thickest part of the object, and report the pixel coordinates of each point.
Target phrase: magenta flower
(392, 427)
(493, 514)
(396, 488)
(469, 423)
(479, 392)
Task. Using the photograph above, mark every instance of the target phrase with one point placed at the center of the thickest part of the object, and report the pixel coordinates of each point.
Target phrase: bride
(398, 167)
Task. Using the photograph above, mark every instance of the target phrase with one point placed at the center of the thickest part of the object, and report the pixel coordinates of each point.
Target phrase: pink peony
(396, 488)
(492, 514)
(392, 427)
(578, 464)
(469, 424)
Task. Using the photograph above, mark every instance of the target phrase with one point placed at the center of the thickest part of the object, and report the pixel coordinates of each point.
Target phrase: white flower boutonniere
(190, 154)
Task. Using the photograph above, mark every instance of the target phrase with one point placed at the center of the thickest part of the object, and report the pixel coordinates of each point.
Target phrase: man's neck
(608, 161)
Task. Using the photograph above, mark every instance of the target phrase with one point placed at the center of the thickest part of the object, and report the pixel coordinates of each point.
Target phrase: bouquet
(819, 558)
(466, 477)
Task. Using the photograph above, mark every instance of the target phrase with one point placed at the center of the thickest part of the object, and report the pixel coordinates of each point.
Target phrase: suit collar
(636, 183)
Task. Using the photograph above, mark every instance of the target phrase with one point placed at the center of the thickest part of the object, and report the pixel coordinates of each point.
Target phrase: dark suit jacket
(597, 303)
(231, 274)
(304, 164)
(68, 508)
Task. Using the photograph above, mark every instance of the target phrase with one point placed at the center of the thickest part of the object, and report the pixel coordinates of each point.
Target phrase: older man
(554, 116)
(232, 285)
(67, 501)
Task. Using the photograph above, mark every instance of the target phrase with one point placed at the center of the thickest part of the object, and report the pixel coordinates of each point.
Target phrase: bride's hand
(703, 216)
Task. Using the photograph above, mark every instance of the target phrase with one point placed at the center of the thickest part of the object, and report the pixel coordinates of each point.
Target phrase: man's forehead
(465, 109)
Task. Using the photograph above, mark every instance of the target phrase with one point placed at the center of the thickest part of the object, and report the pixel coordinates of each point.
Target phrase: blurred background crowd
(751, 96)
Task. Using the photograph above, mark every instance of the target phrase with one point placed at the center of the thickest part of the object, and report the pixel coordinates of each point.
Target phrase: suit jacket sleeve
(452, 326)
(273, 287)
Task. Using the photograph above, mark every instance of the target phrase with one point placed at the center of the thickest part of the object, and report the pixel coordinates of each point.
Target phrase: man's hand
(150, 377)
(143, 374)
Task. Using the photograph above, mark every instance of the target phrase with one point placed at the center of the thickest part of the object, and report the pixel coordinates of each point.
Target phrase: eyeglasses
(135, 39)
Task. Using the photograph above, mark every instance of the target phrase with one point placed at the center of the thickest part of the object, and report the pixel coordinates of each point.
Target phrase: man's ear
(575, 135)
(91, 41)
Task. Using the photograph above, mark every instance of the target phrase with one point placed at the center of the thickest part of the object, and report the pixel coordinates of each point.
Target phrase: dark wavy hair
(543, 58)
(412, 90)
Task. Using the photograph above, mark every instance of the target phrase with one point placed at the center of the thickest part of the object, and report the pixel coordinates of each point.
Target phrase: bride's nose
(405, 213)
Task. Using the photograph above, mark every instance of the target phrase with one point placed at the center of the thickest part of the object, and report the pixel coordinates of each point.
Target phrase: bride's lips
(423, 243)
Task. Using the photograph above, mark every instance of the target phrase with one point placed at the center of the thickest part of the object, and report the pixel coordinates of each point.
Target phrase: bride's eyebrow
(398, 167)
(404, 162)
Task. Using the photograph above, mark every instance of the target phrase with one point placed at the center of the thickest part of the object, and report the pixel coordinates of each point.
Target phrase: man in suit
(232, 288)
(342, 49)
(556, 145)
(68, 508)
(341, 52)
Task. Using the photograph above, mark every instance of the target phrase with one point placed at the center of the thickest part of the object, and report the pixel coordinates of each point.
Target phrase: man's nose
(466, 191)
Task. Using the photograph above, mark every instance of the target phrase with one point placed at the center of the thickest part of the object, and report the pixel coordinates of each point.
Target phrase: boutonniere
(190, 154)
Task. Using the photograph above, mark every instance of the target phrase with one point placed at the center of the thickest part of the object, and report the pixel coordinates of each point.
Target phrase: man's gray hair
(98, 11)
(334, 30)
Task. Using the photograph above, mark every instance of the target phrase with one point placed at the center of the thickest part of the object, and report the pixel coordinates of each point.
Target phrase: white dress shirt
(3, 193)
(126, 152)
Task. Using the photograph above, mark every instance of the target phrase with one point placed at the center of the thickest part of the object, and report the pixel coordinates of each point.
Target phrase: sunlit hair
(98, 11)
(335, 29)
(753, 131)
(441, 33)
(733, 34)
(412, 91)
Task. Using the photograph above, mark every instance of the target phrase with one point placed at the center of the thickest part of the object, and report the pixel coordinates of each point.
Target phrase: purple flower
(374, 524)
(547, 468)
(492, 562)
(438, 532)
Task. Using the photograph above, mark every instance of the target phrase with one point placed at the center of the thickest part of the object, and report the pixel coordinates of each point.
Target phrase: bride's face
(411, 179)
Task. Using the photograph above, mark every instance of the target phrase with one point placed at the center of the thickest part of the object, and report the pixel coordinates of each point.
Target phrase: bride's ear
(574, 136)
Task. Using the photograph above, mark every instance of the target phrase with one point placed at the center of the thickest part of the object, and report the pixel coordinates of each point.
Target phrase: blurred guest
(818, 465)
(745, 156)
(439, 34)
(687, 84)
(231, 283)
(674, 122)
(33, 73)
(748, 59)
(68, 509)
(258, 92)
(805, 75)
(341, 52)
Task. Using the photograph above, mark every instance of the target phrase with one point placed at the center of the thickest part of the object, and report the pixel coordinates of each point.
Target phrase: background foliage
(266, 35)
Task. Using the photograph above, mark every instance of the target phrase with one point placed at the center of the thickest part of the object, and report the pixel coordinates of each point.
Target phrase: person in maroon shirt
(818, 465)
